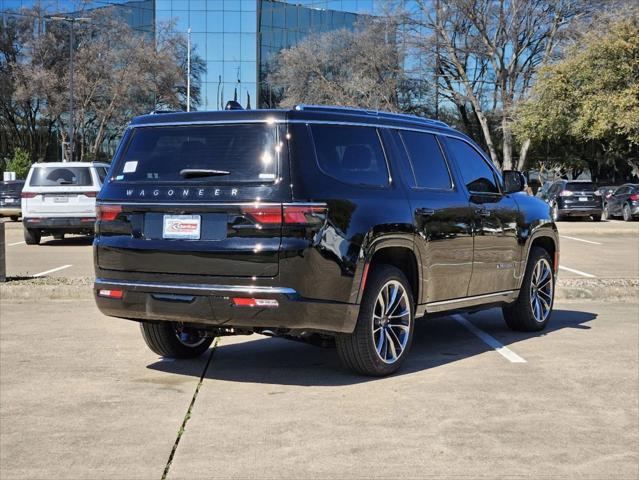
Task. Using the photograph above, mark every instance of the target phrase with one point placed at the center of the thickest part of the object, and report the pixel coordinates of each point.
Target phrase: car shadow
(437, 342)
(81, 240)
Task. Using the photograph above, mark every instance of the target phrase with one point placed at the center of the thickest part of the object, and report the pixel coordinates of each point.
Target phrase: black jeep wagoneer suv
(314, 223)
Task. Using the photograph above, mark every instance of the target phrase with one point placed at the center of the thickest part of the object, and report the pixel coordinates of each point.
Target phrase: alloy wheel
(392, 319)
(541, 290)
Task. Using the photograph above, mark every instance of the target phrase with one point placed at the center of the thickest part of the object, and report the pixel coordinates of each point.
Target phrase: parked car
(59, 198)
(542, 193)
(10, 198)
(624, 202)
(316, 223)
(570, 198)
(606, 191)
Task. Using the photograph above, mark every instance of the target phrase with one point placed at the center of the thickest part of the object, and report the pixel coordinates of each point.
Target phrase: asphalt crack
(187, 416)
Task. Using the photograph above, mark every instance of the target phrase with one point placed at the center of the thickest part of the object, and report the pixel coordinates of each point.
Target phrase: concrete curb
(62, 288)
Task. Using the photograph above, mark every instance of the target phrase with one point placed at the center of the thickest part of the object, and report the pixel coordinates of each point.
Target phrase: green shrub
(20, 163)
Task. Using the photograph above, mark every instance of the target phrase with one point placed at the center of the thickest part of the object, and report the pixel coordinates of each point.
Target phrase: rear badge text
(181, 192)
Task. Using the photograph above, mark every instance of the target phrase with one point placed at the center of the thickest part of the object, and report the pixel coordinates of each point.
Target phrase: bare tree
(489, 52)
(361, 67)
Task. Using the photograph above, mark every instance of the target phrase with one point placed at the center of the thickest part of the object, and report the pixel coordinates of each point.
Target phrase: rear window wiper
(202, 172)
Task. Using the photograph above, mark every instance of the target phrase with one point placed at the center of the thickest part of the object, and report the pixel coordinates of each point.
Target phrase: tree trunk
(507, 144)
(523, 153)
(483, 122)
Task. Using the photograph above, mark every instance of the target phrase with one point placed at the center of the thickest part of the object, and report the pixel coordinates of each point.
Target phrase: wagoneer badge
(181, 192)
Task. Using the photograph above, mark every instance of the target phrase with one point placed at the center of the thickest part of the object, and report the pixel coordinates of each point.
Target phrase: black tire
(14, 218)
(58, 236)
(605, 213)
(358, 350)
(163, 339)
(596, 218)
(520, 316)
(627, 216)
(32, 236)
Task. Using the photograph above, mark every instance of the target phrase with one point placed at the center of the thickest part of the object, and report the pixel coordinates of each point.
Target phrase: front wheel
(531, 311)
(384, 331)
(14, 218)
(171, 339)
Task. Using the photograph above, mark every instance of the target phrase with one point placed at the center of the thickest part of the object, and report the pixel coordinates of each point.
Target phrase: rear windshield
(212, 153)
(8, 188)
(581, 187)
(55, 176)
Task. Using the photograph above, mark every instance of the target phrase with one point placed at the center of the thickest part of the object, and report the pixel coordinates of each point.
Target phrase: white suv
(59, 198)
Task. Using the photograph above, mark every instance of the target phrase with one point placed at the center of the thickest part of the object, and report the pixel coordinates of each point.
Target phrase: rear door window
(351, 154)
(230, 153)
(427, 162)
(59, 176)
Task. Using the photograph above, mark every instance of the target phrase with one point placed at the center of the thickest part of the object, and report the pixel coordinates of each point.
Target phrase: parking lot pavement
(76, 401)
(599, 249)
(270, 408)
(71, 257)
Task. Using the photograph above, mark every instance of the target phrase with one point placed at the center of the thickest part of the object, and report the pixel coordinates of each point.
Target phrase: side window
(426, 160)
(622, 191)
(476, 174)
(350, 154)
(102, 172)
(554, 190)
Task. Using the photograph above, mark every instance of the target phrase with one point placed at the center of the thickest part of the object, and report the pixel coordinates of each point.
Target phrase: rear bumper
(212, 305)
(580, 211)
(61, 224)
(10, 211)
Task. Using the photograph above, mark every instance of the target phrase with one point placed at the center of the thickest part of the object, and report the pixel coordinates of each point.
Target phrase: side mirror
(514, 181)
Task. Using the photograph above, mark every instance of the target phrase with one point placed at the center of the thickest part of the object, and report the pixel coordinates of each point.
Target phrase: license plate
(60, 199)
(181, 226)
(8, 200)
(583, 199)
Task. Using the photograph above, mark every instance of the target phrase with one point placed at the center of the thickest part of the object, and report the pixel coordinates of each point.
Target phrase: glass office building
(235, 38)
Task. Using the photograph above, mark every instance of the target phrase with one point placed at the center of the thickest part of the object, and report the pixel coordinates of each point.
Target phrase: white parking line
(51, 271)
(580, 240)
(15, 243)
(578, 272)
(505, 352)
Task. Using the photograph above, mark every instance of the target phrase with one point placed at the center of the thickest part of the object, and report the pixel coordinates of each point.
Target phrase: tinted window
(476, 173)
(581, 187)
(54, 176)
(427, 161)
(11, 188)
(350, 154)
(102, 172)
(156, 154)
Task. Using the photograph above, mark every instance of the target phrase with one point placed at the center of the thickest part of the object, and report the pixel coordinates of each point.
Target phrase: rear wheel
(14, 218)
(531, 311)
(627, 216)
(32, 236)
(596, 218)
(384, 331)
(170, 339)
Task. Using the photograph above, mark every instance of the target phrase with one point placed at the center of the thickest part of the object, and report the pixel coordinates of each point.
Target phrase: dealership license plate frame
(181, 227)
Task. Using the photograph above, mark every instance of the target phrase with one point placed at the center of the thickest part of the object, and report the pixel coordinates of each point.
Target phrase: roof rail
(377, 113)
(156, 112)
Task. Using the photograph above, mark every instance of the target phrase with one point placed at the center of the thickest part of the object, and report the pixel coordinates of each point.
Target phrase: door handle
(425, 212)
(482, 212)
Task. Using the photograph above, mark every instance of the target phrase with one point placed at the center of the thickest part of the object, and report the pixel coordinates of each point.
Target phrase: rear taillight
(566, 193)
(287, 214)
(111, 293)
(634, 197)
(107, 213)
(90, 194)
(28, 194)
